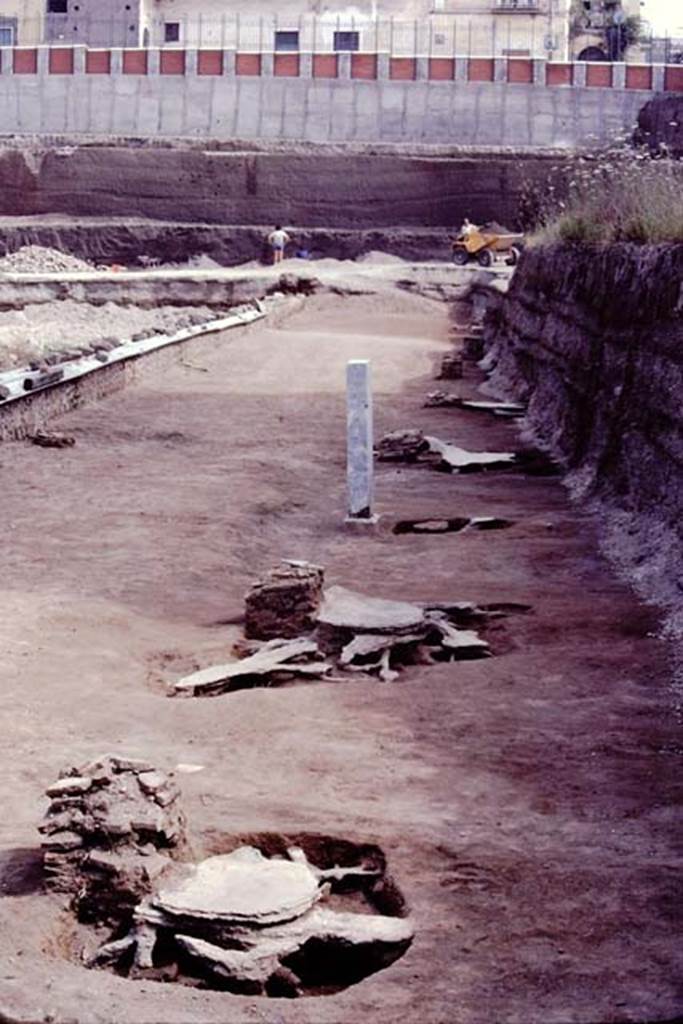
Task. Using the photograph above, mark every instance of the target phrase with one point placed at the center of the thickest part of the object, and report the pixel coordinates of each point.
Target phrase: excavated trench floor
(526, 803)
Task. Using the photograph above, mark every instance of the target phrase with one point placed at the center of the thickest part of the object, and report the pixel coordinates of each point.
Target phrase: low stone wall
(592, 339)
(21, 418)
(219, 289)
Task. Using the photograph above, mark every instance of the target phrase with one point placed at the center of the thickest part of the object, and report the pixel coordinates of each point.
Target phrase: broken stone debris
(250, 924)
(448, 400)
(443, 399)
(38, 259)
(351, 631)
(413, 445)
(269, 662)
(340, 628)
(110, 831)
(296, 284)
(51, 439)
(373, 635)
(459, 460)
(285, 602)
(402, 446)
(507, 409)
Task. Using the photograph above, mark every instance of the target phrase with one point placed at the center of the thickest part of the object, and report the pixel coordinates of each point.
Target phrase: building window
(171, 31)
(347, 41)
(287, 41)
(56, 6)
(6, 35)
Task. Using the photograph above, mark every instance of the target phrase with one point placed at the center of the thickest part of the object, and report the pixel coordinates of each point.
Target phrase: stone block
(285, 602)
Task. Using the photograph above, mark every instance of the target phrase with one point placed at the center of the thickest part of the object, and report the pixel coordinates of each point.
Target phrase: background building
(605, 29)
(557, 29)
(485, 27)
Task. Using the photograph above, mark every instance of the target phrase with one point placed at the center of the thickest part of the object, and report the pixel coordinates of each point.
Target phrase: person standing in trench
(278, 240)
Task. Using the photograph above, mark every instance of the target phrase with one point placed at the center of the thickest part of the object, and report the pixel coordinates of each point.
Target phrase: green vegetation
(617, 195)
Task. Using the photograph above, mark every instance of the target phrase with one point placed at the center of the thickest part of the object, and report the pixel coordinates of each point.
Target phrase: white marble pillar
(359, 454)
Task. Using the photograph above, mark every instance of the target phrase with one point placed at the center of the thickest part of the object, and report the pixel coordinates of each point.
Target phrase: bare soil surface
(527, 803)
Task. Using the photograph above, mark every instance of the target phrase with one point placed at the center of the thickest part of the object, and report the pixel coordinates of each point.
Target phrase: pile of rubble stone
(112, 829)
(38, 259)
(296, 629)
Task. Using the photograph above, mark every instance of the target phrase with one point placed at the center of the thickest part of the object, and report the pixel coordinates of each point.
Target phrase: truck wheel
(513, 257)
(460, 257)
(484, 258)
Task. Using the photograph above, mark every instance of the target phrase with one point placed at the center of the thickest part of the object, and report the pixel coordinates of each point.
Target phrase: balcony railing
(516, 6)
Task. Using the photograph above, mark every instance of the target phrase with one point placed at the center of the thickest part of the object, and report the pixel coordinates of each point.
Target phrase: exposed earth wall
(593, 340)
(311, 186)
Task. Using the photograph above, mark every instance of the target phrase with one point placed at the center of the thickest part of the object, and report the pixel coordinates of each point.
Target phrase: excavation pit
(268, 914)
(458, 524)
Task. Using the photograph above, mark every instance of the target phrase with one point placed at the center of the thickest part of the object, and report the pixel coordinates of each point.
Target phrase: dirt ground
(527, 803)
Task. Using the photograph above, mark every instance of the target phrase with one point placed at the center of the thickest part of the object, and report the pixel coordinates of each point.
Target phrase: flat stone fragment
(442, 399)
(276, 656)
(458, 639)
(251, 966)
(228, 888)
(150, 782)
(505, 408)
(459, 459)
(370, 643)
(72, 785)
(431, 526)
(130, 764)
(63, 841)
(347, 609)
(382, 937)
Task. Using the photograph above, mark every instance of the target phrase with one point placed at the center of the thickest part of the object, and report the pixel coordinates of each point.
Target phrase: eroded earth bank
(592, 339)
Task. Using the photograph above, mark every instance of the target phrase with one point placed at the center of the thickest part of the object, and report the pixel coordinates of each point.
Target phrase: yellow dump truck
(486, 247)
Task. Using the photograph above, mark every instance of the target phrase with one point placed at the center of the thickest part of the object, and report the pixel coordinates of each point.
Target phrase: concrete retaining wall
(163, 93)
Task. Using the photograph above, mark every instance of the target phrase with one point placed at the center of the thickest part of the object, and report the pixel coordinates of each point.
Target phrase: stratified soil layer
(592, 338)
(527, 803)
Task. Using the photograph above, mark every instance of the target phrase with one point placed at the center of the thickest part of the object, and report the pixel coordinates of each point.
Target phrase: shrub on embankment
(620, 194)
(592, 338)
